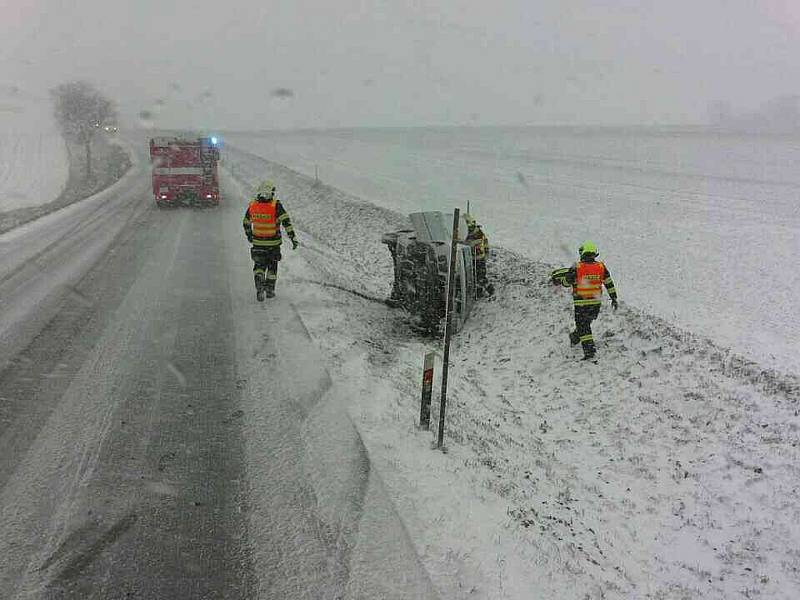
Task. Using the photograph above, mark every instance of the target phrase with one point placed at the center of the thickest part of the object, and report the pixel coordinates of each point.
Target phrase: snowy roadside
(39, 171)
(34, 165)
(111, 160)
(668, 470)
(699, 203)
(320, 523)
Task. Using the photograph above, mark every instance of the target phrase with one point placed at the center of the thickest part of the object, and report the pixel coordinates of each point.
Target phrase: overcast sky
(407, 62)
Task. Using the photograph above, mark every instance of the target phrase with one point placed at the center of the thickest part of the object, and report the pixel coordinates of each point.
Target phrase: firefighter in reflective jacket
(587, 278)
(262, 225)
(479, 243)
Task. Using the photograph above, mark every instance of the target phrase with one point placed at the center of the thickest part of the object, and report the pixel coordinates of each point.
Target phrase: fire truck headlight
(208, 196)
(214, 141)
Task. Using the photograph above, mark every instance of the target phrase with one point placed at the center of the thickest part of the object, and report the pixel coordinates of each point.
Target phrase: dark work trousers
(480, 271)
(265, 261)
(584, 315)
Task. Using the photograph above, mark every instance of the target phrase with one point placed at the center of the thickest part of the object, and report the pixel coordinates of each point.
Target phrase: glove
(614, 304)
(295, 243)
(250, 238)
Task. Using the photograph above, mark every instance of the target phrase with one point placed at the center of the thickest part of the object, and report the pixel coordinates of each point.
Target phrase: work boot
(259, 281)
(574, 338)
(270, 290)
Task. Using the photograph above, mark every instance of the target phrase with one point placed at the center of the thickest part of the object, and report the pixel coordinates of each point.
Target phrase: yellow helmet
(265, 190)
(588, 247)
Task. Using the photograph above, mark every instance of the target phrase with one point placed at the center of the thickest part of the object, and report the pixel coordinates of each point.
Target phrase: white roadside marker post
(451, 276)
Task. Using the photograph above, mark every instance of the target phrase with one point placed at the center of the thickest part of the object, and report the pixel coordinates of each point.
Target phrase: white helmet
(265, 190)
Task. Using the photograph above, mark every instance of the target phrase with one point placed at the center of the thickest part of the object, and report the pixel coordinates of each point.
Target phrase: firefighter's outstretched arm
(286, 222)
(565, 276)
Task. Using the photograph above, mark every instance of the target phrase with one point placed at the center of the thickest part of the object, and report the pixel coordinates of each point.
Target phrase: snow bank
(668, 470)
(33, 157)
(307, 467)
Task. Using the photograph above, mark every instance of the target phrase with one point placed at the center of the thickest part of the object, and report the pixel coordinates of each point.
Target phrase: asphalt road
(164, 436)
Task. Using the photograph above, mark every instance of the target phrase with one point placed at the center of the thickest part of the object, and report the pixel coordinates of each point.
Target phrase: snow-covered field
(698, 228)
(669, 470)
(33, 157)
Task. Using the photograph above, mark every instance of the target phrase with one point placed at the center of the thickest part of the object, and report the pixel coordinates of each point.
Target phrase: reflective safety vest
(588, 288)
(264, 221)
(478, 243)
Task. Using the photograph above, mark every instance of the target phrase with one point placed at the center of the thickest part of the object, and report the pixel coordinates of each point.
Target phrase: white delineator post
(451, 275)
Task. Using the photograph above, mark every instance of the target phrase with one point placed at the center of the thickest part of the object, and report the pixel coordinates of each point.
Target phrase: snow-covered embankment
(668, 470)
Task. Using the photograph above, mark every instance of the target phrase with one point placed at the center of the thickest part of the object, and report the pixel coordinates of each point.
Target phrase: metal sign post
(427, 392)
(448, 326)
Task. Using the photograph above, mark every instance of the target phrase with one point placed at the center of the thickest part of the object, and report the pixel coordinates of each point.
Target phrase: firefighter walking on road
(587, 278)
(262, 223)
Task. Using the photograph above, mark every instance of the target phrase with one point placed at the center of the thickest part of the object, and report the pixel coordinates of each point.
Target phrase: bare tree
(81, 111)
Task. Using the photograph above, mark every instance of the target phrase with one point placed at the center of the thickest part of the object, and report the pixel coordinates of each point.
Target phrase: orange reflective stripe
(589, 280)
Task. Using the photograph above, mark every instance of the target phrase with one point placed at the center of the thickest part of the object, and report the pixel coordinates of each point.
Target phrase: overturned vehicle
(421, 259)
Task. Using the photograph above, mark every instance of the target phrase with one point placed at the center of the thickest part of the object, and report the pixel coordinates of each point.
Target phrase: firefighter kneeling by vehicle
(479, 243)
(262, 225)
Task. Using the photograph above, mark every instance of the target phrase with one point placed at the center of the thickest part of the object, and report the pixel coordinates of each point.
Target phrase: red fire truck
(185, 171)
